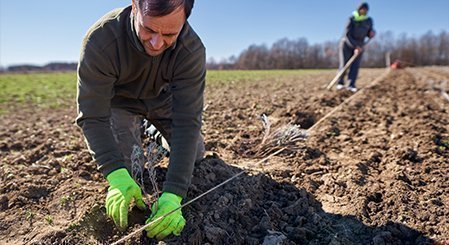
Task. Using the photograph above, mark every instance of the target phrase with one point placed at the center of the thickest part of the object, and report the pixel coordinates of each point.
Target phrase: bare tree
(428, 49)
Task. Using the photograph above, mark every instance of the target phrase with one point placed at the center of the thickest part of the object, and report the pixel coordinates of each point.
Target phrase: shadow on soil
(253, 209)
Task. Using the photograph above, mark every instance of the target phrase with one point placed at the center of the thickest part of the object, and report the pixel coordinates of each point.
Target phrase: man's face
(158, 33)
(363, 11)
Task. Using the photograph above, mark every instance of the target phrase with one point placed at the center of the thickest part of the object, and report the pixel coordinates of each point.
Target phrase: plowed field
(375, 171)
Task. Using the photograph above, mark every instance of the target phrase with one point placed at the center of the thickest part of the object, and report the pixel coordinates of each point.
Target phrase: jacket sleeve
(187, 89)
(349, 40)
(371, 29)
(95, 89)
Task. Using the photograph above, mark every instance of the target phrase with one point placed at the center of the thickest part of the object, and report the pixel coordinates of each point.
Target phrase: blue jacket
(356, 31)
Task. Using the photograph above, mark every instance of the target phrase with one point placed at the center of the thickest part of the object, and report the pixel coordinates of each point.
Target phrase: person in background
(140, 62)
(359, 27)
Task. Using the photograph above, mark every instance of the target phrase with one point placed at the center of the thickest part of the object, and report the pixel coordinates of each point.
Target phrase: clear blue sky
(41, 31)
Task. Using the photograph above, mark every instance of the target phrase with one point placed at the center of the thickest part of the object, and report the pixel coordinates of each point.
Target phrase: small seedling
(28, 214)
(72, 226)
(446, 144)
(67, 158)
(332, 133)
(65, 200)
(49, 219)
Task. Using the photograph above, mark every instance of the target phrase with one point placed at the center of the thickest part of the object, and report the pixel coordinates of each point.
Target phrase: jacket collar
(357, 17)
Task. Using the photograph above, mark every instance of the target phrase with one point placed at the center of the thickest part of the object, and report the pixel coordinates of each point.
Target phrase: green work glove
(173, 223)
(122, 189)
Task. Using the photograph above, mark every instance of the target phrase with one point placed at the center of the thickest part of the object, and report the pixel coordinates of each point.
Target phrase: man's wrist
(171, 196)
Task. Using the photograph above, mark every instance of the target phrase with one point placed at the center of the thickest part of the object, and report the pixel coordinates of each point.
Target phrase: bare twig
(284, 136)
(146, 165)
(267, 126)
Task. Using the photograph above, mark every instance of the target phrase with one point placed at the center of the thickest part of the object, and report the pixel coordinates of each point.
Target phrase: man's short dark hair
(363, 5)
(159, 8)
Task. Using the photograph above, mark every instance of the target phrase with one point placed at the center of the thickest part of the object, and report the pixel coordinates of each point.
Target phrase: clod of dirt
(36, 192)
(362, 168)
(376, 197)
(411, 155)
(4, 200)
(311, 153)
(274, 238)
(4, 146)
(334, 131)
(375, 157)
(214, 233)
(15, 146)
(52, 237)
(304, 119)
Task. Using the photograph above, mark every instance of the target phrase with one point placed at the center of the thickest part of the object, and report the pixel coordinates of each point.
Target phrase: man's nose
(156, 41)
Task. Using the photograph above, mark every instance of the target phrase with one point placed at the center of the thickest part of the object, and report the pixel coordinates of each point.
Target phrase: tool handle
(342, 71)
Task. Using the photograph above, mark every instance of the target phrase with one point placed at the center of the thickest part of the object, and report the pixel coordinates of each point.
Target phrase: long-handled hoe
(347, 65)
(343, 70)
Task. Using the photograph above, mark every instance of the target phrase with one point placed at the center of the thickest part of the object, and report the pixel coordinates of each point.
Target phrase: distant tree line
(428, 49)
(54, 66)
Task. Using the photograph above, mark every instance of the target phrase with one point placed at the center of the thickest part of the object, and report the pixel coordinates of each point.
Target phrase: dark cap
(364, 5)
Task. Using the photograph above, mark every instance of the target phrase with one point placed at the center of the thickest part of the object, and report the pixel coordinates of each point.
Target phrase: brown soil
(374, 172)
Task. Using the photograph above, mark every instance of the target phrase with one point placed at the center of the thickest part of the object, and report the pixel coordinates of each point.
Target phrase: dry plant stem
(151, 168)
(134, 233)
(340, 72)
(267, 126)
(287, 135)
(137, 163)
(142, 164)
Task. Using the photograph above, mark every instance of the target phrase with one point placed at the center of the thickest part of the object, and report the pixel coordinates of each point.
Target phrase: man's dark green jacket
(115, 72)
